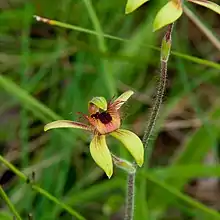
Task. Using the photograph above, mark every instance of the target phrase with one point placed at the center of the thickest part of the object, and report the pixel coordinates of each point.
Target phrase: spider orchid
(104, 119)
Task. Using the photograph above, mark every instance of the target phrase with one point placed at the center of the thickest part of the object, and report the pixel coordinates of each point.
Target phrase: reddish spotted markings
(104, 117)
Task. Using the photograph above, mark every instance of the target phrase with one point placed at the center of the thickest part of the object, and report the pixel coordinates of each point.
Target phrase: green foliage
(51, 72)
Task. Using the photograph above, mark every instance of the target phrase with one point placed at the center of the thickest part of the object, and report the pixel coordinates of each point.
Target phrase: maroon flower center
(104, 117)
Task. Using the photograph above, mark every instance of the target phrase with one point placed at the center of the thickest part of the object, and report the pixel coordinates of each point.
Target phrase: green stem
(10, 205)
(130, 169)
(40, 190)
(165, 52)
(129, 210)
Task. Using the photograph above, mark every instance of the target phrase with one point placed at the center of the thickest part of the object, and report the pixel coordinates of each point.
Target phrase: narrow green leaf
(211, 5)
(188, 171)
(193, 151)
(38, 189)
(167, 15)
(91, 32)
(106, 72)
(213, 214)
(5, 216)
(9, 203)
(133, 5)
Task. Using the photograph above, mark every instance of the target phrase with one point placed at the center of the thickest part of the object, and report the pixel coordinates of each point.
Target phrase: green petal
(100, 102)
(133, 4)
(167, 15)
(66, 124)
(132, 142)
(101, 154)
(211, 5)
(123, 98)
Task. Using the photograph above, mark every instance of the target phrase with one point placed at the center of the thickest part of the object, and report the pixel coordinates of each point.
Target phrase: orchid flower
(104, 119)
(171, 11)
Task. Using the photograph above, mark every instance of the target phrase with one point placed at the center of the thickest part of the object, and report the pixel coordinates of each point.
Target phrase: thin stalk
(9, 204)
(91, 32)
(129, 211)
(165, 52)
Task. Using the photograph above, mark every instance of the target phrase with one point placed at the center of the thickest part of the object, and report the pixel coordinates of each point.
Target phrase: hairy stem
(129, 211)
(165, 52)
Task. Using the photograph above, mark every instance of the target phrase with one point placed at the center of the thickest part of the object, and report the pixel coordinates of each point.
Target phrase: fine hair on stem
(164, 57)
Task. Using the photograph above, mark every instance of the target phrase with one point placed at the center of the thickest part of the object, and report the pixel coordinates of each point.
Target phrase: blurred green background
(48, 72)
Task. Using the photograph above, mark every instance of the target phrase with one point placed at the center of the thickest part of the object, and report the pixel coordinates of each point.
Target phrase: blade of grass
(24, 75)
(190, 153)
(5, 216)
(106, 66)
(54, 143)
(208, 33)
(187, 171)
(65, 165)
(40, 110)
(40, 190)
(79, 197)
(210, 212)
(206, 138)
(88, 31)
(9, 204)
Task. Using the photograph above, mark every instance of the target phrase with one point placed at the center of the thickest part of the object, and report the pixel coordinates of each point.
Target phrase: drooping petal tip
(133, 5)
(208, 4)
(122, 99)
(167, 15)
(132, 142)
(65, 124)
(101, 154)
